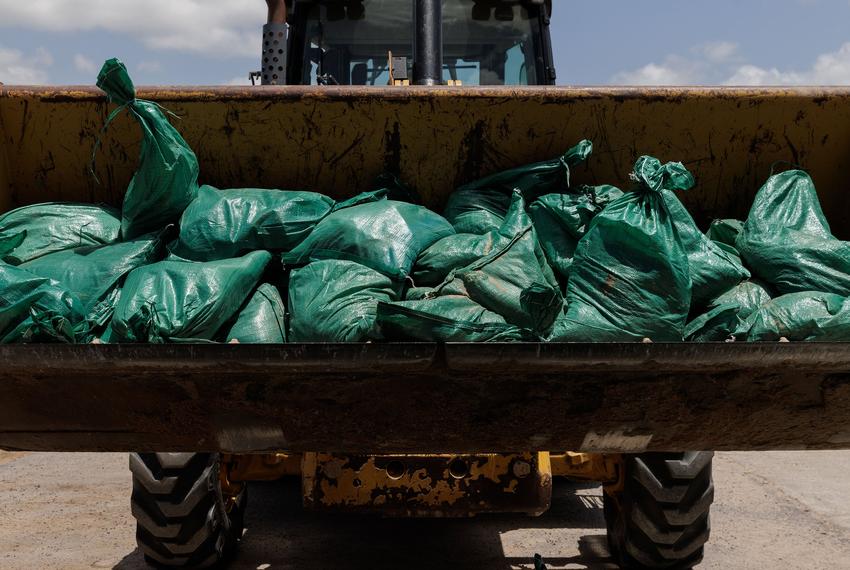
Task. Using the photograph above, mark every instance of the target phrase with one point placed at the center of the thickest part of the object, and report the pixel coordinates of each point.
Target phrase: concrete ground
(773, 510)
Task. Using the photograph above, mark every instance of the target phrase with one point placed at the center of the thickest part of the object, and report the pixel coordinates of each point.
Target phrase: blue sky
(596, 41)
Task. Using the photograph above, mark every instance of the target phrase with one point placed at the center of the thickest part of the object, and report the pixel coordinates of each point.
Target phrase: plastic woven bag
(803, 316)
(630, 278)
(173, 300)
(725, 231)
(91, 273)
(336, 301)
(459, 250)
(32, 231)
(514, 280)
(219, 224)
(480, 206)
(166, 180)
(262, 320)
(386, 236)
(450, 318)
(561, 220)
(727, 312)
(713, 270)
(36, 309)
(787, 241)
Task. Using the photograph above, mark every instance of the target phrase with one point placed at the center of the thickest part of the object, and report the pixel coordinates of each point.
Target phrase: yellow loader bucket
(336, 140)
(421, 397)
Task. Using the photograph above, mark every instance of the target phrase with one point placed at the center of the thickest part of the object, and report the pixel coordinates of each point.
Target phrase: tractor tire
(182, 517)
(658, 518)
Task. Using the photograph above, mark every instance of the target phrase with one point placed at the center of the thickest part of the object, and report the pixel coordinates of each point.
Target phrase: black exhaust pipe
(428, 42)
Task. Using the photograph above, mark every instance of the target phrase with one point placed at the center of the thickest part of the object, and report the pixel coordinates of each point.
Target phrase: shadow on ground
(280, 535)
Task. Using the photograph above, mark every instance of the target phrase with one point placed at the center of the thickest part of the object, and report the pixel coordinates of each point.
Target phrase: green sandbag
(630, 278)
(90, 272)
(561, 220)
(787, 241)
(512, 281)
(36, 309)
(725, 231)
(456, 251)
(713, 270)
(219, 224)
(715, 325)
(173, 300)
(166, 180)
(262, 321)
(727, 312)
(450, 318)
(336, 301)
(386, 236)
(803, 316)
(749, 296)
(480, 206)
(32, 231)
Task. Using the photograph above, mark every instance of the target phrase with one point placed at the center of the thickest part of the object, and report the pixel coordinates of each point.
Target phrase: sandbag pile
(518, 256)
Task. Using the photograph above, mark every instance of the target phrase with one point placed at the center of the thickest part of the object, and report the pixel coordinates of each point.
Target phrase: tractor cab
(429, 42)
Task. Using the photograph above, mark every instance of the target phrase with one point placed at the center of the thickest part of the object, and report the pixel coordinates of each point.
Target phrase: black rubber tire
(660, 520)
(181, 518)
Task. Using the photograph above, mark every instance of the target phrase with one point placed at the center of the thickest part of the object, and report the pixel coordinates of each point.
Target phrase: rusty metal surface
(425, 398)
(337, 139)
(428, 485)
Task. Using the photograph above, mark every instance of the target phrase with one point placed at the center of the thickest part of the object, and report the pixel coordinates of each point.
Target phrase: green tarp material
(336, 301)
(262, 320)
(30, 232)
(36, 309)
(459, 250)
(787, 240)
(91, 273)
(715, 325)
(450, 318)
(480, 206)
(802, 316)
(713, 270)
(749, 296)
(386, 236)
(220, 224)
(513, 281)
(630, 278)
(561, 220)
(727, 312)
(725, 231)
(166, 180)
(174, 300)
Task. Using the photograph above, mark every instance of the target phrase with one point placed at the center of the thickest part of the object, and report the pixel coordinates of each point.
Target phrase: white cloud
(84, 64)
(241, 80)
(674, 70)
(149, 66)
(17, 68)
(828, 69)
(721, 63)
(754, 75)
(717, 52)
(218, 27)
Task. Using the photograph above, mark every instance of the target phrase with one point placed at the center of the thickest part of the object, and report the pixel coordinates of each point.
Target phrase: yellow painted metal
(230, 489)
(428, 485)
(604, 468)
(337, 139)
(261, 466)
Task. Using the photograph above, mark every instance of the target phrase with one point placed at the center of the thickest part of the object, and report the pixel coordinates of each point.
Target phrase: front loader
(439, 93)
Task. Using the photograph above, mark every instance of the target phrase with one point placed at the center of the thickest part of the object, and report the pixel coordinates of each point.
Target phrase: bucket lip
(59, 93)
